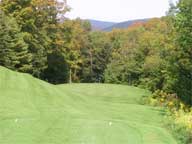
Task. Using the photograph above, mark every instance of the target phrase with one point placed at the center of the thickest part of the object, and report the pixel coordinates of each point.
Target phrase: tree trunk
(91, 62)
(70, 77)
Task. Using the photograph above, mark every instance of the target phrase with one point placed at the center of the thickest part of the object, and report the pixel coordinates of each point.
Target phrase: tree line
(36, 38)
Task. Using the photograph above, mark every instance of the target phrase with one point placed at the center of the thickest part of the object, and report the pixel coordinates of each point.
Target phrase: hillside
(100, 25)
(123, 25)
(35, 112)
(109, 26)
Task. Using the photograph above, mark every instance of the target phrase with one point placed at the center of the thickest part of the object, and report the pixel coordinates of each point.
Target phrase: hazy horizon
(117, 10)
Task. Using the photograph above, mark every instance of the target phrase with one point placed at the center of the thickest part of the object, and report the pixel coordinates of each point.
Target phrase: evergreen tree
(14, 52)
(36, 18)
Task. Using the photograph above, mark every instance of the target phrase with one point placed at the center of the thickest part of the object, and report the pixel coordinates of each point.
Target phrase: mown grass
(35, 112)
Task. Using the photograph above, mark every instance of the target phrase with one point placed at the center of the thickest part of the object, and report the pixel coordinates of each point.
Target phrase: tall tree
(14, 52)
(67, 43)
(95, 57)
(35, 17)
(181, 60)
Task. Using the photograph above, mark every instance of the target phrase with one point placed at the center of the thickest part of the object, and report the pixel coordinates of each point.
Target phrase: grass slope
(35, 112)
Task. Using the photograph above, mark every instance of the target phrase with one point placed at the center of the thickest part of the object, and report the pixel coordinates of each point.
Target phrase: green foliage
(14, 52)
(58, 69)
(178, 117)
(181, 59)
(95, 57)
(139, 55)
(34, 17)
(180, 132)
(125, 63)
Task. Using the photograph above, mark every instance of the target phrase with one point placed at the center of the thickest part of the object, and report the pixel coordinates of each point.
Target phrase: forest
(36, 38)
(154, 54)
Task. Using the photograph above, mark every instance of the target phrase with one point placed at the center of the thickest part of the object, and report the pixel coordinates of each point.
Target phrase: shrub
(179, 115)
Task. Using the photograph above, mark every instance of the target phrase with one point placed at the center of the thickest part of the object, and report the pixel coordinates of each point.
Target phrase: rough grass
(35, 112)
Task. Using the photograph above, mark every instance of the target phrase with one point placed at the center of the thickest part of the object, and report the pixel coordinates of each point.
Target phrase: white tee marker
(110, 123)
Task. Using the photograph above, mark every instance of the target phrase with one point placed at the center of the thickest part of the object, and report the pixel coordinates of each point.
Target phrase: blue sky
(117, 10)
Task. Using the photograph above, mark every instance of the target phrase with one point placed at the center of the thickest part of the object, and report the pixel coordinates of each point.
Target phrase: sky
(117, 10)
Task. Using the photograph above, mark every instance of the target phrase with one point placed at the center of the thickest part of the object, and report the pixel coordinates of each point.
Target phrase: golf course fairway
(36, 112)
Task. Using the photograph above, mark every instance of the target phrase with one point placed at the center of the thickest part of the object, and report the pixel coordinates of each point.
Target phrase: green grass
(35, 112)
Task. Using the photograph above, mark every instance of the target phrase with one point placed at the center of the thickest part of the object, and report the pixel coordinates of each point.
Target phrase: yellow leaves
(152, 62)
(59, 42)
(182, 106)
(153, 24)
(40, 3)
(170, 104)
(162, 100)
(184, 118)
(136, 26)
(26, 13)
(28, 9)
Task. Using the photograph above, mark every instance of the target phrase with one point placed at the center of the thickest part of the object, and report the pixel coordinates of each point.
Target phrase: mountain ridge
(109, 26)
(100, 25)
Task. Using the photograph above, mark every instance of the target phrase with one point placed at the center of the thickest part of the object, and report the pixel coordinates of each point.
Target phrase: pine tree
(14, 53)
(36, 19)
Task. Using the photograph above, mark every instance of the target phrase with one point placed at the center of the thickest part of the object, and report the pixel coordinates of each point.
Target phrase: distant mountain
(123, 25)
(100, 25)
